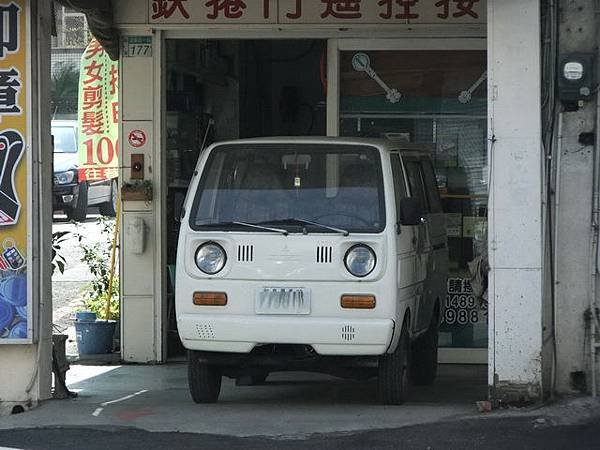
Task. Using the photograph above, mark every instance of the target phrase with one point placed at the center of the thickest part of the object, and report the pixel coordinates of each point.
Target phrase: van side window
(399, 182)
(415, 182)
(431, 187)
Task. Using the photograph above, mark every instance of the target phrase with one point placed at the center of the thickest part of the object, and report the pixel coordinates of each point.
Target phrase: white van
(312, 254)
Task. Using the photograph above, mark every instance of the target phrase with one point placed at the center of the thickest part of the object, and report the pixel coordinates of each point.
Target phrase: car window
(433, 194)
(64, 140)
(340, 186)
(399, 182)
(415, 182)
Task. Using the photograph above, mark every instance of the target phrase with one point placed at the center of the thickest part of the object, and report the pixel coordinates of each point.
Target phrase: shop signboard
(15, 292)
(322, 12)
(98, 115)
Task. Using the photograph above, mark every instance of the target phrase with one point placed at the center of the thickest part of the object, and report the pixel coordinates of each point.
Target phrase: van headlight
(210, 258)
(360, 260)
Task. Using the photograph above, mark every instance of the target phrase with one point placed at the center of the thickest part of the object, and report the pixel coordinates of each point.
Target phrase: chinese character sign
(319, 11)
(98, 115)
(15, 305)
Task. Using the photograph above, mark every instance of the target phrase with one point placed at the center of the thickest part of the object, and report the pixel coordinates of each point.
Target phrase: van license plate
(273, 300)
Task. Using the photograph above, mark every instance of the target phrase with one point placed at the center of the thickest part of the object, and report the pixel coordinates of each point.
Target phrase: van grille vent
(348, 333)
(245, 253)
(324, 254)
(205, 331)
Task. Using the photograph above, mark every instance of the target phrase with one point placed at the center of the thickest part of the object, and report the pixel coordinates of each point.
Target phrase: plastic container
(94, 338)
(85, 316)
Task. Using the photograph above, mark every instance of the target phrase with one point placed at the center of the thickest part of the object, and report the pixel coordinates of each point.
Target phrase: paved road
(497, 434)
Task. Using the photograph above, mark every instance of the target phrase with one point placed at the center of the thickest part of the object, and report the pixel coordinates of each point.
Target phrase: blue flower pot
(85, 316)
(94, 338)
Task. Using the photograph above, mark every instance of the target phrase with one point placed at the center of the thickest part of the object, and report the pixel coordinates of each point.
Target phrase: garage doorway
(429, 91)
(219, 90)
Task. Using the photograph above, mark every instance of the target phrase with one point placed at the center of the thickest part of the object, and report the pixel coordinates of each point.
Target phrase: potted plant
(138, 190)
(95, 326)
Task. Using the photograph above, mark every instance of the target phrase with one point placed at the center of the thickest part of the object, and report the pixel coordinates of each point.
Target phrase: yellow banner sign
(98, 114)
(15, 305)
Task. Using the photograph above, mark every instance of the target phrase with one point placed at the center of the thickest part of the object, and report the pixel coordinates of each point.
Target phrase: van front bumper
(327, 336)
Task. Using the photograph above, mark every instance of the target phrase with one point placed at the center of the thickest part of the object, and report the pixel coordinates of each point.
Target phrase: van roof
(383, 144)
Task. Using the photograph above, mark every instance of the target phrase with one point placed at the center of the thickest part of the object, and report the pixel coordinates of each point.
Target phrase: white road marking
(127, 397)
(97, 412)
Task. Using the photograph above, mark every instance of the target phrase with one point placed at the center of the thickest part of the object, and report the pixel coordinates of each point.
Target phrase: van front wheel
(204, 380)
(425, 356)
(392, 383)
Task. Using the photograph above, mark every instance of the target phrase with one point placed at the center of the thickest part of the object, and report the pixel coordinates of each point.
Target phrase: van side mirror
(411, 212)
(178, 206)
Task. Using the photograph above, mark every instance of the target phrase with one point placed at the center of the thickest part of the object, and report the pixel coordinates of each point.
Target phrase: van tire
(394, 368)
(204, 381)
(109, 208)
(78, 213)
(424, 354)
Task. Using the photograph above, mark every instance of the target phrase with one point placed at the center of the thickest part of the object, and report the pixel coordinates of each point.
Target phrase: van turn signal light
(358, 301)
(210, 298)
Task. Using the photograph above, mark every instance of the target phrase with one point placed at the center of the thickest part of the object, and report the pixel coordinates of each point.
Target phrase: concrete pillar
(26, 370)
(515, 212)
(573, 283)
(142, 289)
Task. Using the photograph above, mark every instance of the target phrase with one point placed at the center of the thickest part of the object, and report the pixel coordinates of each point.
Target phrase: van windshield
(285, 185)
(64, 140)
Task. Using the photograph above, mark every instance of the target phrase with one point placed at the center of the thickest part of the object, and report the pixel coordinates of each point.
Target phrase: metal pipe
(555, 248)
(594, 260)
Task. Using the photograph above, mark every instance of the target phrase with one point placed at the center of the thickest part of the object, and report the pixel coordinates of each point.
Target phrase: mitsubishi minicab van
(312, 254)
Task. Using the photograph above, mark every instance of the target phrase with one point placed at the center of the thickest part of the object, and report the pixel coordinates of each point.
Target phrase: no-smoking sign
(137, 138)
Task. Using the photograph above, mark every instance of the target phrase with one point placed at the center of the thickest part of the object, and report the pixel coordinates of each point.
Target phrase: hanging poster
(98, 115)
(15, 298)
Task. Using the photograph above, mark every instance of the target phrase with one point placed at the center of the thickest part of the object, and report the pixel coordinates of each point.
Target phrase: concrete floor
(155, 398)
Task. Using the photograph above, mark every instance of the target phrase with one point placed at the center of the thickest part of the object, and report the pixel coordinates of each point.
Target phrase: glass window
(339, 186)
(415, 181)
(433, 195)
(64, 140)
(399, 183)
(443, 110)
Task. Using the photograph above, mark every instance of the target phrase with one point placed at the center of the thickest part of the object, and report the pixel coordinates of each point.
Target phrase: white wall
(515, 230)
(573, 248)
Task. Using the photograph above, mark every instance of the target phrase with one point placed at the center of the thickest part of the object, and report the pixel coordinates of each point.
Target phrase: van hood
(65, 161)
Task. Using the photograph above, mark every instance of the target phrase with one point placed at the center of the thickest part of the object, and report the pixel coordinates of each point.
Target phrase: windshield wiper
(249, 225)
(308, 222)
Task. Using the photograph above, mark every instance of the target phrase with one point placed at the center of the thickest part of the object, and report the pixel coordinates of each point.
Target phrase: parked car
(69, 194)
(318, 254)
